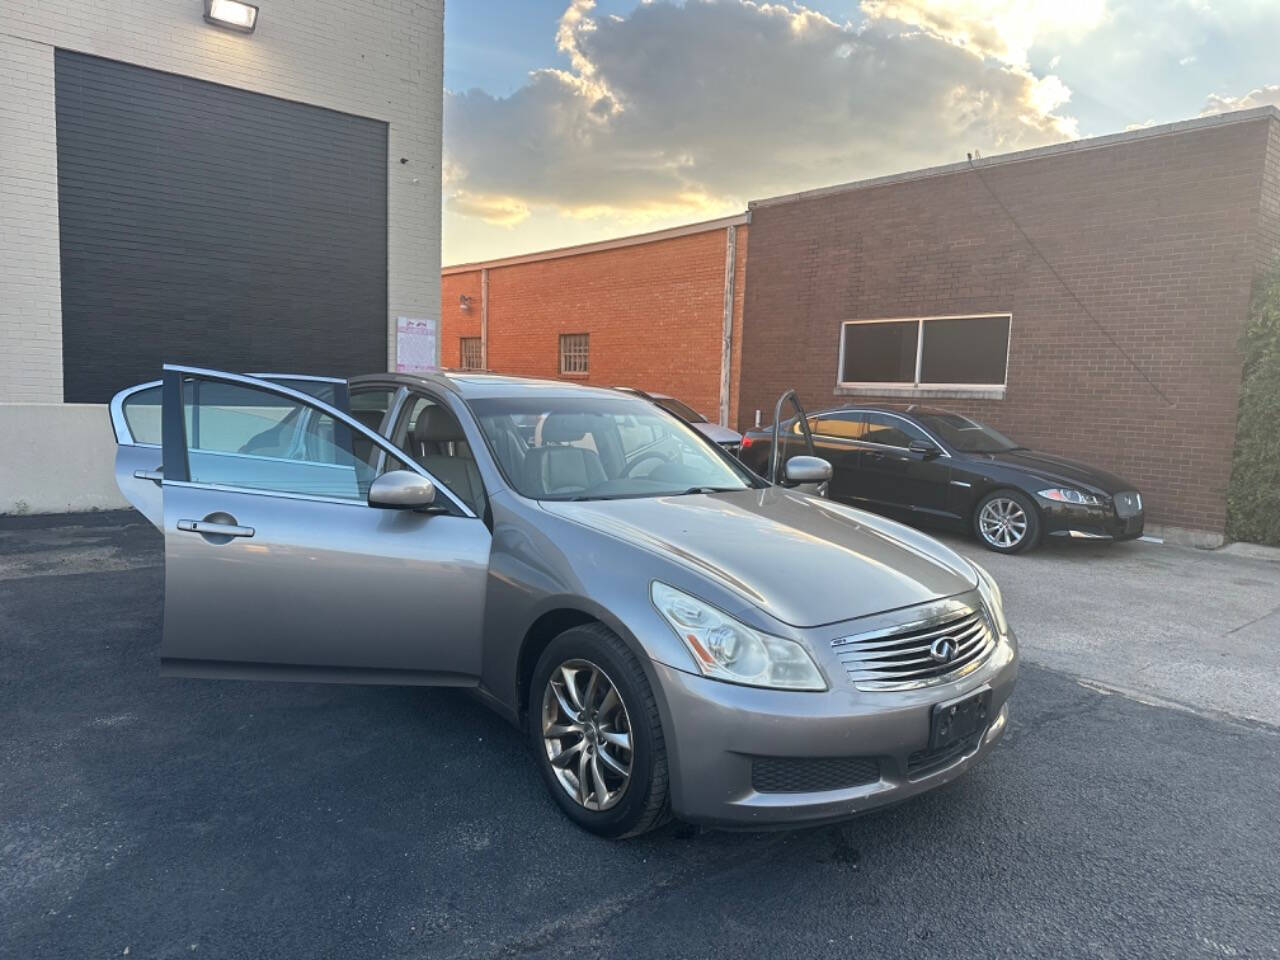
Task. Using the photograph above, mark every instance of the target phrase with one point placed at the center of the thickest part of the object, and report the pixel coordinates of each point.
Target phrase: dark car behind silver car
(675, 635)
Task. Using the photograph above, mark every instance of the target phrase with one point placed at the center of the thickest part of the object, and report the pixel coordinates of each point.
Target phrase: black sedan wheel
(1006, 521)
(596, 733)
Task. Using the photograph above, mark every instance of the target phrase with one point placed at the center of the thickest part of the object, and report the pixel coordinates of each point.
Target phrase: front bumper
(718, 732)
(1089, 523)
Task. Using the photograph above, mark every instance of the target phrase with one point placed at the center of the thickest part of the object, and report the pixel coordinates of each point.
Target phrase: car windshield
(681, 410)
(589, 448)
(965, 435)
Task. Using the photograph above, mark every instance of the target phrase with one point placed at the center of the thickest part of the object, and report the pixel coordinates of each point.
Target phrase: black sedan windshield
(570, 448)
(965, 435)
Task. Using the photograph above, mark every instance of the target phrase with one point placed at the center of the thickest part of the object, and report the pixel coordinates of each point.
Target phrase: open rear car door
(135, 420)
(277, 565)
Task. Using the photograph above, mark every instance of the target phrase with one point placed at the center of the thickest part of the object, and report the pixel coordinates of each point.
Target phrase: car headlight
(1071, 495)
(992, 599)
(727, 649)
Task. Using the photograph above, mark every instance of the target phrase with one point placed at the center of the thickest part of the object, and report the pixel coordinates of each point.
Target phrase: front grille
(923, 762)
(900, 659)
(812, 775)
(1128, 504)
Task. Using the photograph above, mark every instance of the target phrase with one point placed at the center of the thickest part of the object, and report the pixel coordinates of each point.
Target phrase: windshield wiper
(685, 493)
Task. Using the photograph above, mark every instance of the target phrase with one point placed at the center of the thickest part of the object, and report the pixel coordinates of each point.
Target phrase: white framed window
(471, 353)
(960, 353)
(575, 351)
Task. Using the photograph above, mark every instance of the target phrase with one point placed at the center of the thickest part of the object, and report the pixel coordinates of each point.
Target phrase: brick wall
(654, 312)
(1159, 235)
(30, 292)
(383, 61)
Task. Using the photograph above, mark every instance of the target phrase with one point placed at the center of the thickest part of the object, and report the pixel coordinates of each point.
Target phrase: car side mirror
(807, 470)
(402, 490)
(926, 447)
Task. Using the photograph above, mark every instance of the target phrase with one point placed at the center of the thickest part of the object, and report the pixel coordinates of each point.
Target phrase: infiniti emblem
(943, 650)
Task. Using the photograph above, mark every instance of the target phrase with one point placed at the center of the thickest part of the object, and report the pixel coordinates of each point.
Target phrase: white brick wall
(30, 285)
(375, 58)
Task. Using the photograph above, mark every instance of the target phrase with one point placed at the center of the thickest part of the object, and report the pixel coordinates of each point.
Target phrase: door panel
(900, 478)
(275, 564)
(322, 584)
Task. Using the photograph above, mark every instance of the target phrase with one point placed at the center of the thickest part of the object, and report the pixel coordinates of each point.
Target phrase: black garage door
(203, 224)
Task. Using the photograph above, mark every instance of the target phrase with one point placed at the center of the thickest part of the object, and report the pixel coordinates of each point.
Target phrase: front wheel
(1006, 521)
(596, 733)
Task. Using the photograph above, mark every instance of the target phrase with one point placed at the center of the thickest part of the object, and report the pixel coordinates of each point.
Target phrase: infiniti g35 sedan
(675, 635)
(938, 468)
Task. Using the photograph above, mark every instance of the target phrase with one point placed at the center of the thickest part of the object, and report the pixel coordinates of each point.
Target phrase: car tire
(634, 805)
(1006, 521)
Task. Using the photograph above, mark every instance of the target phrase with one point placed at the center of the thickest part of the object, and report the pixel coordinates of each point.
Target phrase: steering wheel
(650, 455)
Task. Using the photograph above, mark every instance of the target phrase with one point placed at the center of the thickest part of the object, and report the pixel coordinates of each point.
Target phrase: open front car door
(277, 562)
(809, 473)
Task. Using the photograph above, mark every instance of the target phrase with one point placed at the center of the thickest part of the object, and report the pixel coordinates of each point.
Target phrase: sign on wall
(416, 346)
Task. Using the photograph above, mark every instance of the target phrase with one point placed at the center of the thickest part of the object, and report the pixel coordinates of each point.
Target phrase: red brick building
(1158, 233)
(647, 311)
(1085, 298)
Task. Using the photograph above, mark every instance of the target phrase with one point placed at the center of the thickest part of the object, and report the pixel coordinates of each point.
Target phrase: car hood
(804, 560)
(1062, 470)
(717, 433)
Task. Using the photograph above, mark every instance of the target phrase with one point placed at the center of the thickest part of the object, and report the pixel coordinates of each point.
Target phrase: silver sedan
(675, 635)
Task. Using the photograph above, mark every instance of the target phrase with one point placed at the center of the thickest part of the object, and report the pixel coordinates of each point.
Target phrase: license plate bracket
(959, 719)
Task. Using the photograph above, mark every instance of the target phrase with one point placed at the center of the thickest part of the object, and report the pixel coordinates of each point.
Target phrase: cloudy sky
(574, 120)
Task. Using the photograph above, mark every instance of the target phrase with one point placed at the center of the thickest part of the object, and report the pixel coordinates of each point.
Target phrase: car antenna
(1061, 280)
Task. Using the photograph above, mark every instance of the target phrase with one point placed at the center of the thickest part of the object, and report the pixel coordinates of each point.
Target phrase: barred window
(471, 352)
(574, 348)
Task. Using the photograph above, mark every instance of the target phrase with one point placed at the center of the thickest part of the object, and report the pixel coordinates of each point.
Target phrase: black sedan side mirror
(926, 447)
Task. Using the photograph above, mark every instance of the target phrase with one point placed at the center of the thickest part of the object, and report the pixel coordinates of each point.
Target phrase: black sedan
(932, 466)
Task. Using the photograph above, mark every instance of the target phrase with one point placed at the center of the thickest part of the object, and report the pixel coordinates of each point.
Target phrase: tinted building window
(879, 352)
(961, 351)
(968, 350)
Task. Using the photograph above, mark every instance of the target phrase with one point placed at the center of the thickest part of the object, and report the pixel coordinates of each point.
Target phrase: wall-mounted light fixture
(231, 14)
(464, 303)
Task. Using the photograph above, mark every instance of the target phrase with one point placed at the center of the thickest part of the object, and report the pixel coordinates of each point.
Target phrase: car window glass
(142, 415)
(369, 407)
(843, 426)
(890, 431)
(323, 390)
(563, 448)
(431, 434)
(248, 437)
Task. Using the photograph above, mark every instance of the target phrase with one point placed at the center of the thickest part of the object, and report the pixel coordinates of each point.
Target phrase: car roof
(478, 385)
(902, 408)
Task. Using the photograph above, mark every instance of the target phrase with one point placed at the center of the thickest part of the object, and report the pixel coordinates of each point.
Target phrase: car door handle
(156, 476)
(214, 529)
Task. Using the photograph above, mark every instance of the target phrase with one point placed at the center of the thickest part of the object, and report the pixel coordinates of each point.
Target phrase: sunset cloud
(689, 111)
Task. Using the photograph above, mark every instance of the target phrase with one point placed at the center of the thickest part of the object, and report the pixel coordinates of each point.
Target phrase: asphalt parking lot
(1133, 809)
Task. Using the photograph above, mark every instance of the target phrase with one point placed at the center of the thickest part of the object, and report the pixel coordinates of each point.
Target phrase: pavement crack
(1270, 613)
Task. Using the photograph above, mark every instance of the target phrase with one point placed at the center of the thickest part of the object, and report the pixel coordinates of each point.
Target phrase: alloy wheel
(587, 734)
(1003, 523)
